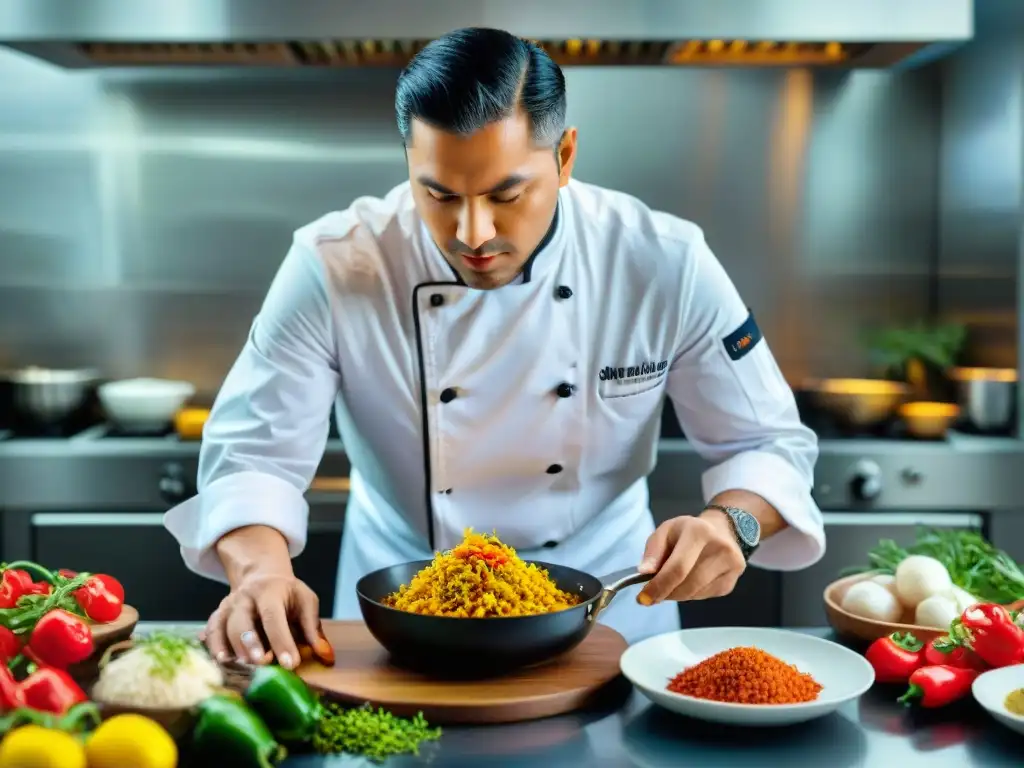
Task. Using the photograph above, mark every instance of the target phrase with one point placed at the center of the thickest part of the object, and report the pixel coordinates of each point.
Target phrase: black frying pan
(456, 647)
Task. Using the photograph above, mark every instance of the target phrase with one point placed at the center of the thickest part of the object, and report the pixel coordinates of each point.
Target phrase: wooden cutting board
(363, 673)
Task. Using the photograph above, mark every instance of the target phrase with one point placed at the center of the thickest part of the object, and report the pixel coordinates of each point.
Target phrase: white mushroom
(888, 581)
(963, 598)
(937, 611)
(919, 577)
(870, 600)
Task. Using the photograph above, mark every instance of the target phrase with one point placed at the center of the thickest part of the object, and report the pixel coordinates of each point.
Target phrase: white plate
(991, 688)
(652, 663)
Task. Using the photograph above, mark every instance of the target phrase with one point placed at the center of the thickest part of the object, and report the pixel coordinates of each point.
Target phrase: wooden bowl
(177, 721)
(104, 636)
(850, 625)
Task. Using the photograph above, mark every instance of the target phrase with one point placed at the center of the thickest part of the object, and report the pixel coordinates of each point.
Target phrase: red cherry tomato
(101, 598)
(10, 645)
(39, 588)
(13, 584)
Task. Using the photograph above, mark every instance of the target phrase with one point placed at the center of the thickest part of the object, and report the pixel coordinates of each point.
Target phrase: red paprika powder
(746, 675)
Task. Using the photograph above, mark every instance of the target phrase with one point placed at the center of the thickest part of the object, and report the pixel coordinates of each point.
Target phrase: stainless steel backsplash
(142, 216)
(981, 212)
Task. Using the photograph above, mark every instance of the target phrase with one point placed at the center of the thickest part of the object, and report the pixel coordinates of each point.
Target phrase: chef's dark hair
(472, 77)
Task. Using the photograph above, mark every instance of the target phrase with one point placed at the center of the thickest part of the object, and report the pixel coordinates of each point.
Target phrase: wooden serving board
(363, 673)
(104, 635)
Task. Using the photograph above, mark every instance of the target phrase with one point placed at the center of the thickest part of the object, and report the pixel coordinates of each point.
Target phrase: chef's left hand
(693, 558)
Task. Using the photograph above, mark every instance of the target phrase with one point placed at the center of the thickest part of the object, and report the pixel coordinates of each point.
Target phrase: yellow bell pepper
(131, 740)
(33, 746)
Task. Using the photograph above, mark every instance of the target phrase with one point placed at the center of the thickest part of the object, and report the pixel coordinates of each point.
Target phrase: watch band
(740, 517)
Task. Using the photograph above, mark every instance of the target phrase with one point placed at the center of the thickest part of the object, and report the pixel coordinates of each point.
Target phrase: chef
(496, 340)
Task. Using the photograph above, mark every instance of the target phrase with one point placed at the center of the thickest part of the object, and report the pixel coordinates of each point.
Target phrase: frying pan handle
(613, 583)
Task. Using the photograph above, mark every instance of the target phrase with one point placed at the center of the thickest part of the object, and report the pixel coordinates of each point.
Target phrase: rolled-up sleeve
(268, 426)
(739, 413)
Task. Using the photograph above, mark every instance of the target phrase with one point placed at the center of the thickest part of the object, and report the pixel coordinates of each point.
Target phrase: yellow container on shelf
(188, 422)
(928, 420)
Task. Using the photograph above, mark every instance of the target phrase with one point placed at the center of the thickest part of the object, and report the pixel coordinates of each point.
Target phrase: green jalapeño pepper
(227, 732)
(285, 703)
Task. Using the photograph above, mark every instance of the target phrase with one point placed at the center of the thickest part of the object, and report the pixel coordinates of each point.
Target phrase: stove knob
(866, 483)
(174, 486)
(912, 476)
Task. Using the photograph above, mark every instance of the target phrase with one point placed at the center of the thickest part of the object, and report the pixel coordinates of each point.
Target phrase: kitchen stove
(101, 466)
(99, 495)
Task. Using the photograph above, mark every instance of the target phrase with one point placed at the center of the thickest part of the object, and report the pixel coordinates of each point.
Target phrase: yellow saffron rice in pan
(480, 578)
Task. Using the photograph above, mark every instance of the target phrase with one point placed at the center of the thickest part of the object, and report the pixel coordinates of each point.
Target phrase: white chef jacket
(448, 398)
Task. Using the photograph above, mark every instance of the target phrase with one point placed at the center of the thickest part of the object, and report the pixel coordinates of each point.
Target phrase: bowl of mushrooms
(920, 598)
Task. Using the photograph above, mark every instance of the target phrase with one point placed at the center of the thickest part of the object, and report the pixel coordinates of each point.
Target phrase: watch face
(747, 527)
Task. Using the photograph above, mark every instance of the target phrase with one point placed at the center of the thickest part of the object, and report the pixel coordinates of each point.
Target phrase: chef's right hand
(265, 607)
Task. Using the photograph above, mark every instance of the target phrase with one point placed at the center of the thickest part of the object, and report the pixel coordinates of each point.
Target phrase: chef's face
(488, 198)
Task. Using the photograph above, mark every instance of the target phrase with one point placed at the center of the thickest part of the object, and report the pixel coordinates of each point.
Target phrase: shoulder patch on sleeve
(743, 339)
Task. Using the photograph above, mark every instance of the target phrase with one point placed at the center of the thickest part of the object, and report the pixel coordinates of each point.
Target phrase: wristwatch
(744, 525)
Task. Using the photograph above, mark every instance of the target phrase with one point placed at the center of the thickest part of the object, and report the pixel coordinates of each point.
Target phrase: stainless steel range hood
(346, 33)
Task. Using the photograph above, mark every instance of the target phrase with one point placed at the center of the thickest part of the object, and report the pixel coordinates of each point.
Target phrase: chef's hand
(260, 610)
(693, 558)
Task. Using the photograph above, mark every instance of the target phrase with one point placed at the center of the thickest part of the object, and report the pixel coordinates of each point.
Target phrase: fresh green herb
(374, 735)
(168, 652)
(893, 348)
(973, 563)
(81, 717)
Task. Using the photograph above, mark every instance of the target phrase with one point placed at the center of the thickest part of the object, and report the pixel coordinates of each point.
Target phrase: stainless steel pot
(47, 395)
(987, 397)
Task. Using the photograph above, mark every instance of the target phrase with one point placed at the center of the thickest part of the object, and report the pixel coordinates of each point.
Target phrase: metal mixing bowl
(48, 395)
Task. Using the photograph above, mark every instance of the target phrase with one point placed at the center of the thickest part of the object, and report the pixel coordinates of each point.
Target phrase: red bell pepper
(13, 584)
(60, 639)
(992, 634)
(51, 690)
(946, 650)
(939, 685)
(11, 696)
(895, 657)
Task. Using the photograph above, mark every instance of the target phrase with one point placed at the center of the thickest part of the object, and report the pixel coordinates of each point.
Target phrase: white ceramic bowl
(991, 688)
(144, 405)
(651, 664)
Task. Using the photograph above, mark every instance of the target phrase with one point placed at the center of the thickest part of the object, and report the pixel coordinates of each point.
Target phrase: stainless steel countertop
(874, 731)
